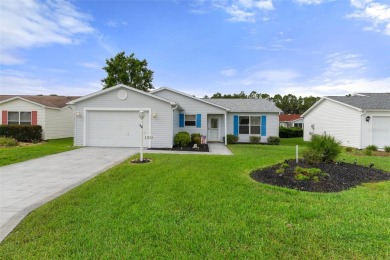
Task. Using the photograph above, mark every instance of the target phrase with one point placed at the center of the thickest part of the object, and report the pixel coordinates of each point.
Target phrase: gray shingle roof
(366, 100)
(245, 105)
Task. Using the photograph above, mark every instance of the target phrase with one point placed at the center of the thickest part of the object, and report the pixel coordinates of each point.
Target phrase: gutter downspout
(173, 108)
(361, 129)
(225, 128)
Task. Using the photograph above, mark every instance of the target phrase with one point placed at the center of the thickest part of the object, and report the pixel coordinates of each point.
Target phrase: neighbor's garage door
(381, 131)
(114, 128)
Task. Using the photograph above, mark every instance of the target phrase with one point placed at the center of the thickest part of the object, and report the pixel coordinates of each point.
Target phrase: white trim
(189, 96)
(115, 109)
(100, 92)
(225, 128)
(330, 99)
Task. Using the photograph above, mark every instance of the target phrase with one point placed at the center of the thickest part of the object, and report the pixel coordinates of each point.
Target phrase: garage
(381, 131)
(115, 128)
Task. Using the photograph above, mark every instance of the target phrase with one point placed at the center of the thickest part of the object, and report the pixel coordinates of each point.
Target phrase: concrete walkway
(27, 185)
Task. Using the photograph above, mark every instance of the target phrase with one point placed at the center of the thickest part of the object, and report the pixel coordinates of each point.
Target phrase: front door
(213, 130)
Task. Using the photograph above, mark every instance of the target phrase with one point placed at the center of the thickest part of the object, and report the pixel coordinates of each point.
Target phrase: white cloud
(376, 14)
(229, 72)
(22, 83)
(91, 65)
(27, 24)
(243, 10)
(309, 2)
(113, 23)
(343, 64)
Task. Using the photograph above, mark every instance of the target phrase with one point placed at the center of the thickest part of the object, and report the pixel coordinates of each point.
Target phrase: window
(249, 125)
(19, 118)
(190, 120)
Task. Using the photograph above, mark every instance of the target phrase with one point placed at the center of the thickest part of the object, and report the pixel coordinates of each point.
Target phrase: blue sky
(302, 47)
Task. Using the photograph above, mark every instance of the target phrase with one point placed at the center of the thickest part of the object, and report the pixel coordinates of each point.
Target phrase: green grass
(200, 206)
(10, 155)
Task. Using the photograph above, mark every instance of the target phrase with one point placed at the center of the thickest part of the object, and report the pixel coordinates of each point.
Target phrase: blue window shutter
(198, 120)
(181, 120)
(235, 125)
(263, 125)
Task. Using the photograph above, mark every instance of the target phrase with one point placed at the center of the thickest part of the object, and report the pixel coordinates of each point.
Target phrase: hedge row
(22, 133)
(292, 132)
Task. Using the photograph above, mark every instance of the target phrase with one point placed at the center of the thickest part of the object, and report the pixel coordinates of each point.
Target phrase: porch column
(225, 128)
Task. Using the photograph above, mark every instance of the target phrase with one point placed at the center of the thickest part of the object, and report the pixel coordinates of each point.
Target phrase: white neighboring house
(50, 112)
(110, 117)
(357, 121)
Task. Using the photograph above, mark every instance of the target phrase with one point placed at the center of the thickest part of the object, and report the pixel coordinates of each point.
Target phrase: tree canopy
(128, 70)
(289, 104)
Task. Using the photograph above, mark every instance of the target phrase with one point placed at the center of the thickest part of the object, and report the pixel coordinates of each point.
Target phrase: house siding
(367, 126)
(191, 107)
(21, 105)
(272, 125)
(59, 123)
(161, 128)
(342, 122)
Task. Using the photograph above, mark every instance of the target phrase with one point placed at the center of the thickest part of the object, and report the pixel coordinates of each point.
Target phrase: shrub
(312, 157)
(274, 140)
(387, 149)
(22, 133)
(196, 138)
(303, 174)
(324, 146)
(231, 139)
(8, 141)
(372, 147)
(367, 152)
(292, 132)
(182, 139)
(254, 139)
(348, 149)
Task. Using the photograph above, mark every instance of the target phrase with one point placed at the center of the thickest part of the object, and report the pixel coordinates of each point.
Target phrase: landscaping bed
(334, 177)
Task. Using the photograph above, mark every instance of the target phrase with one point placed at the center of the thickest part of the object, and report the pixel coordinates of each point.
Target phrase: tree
(129, 71)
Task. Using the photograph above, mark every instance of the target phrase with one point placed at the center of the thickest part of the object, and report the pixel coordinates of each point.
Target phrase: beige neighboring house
(50, 112)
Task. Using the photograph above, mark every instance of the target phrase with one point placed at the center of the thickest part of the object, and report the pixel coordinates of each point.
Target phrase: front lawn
(10, 155)
(201, 206)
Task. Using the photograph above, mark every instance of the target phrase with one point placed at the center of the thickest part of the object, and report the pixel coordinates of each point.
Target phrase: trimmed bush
(231, 139)
(196, 138)
(274, 140)
(22, 133)
(387, 149)
(372, 147)
(8, 142)
(324, 146)
(182, 139)
(254, 139)
(291, 132)
(367, 152)
(348, 149)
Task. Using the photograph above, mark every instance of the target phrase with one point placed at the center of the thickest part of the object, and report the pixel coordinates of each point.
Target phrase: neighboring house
(290, 120)
(110, 117)
(50, 112)
(357, 121)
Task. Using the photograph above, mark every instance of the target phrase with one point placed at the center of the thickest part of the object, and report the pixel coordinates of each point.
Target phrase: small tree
(129, 71)
(323, 148)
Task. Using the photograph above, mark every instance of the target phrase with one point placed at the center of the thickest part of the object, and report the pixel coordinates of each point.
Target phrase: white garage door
(115, 128)
(381, 131)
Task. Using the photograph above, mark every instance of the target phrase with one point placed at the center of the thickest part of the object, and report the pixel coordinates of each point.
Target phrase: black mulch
(200, 148)
(341, 176)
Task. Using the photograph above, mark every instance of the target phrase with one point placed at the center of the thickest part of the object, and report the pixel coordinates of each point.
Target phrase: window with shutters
(19, 118)
(249, 125)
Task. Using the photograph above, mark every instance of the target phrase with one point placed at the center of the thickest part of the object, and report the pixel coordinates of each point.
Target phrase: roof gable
(246, 104)
(101, 92)
(43, 101)
(189, 96)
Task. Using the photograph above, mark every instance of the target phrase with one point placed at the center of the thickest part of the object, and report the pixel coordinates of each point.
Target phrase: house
(50, 112)
(290, 120)
(110, 117)
(357, 121)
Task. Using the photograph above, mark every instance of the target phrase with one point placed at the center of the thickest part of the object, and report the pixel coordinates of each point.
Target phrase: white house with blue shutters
(110, 118)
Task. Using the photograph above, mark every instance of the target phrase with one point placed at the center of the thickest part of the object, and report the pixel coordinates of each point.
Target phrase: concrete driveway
(27, 185)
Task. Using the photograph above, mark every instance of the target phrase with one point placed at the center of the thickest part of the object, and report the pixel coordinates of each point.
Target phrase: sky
(200, 47)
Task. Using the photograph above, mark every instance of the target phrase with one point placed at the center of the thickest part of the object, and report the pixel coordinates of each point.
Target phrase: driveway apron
(27, 185)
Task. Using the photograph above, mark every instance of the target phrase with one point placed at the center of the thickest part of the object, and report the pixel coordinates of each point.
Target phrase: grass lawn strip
(196, 206)
(10, 155)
